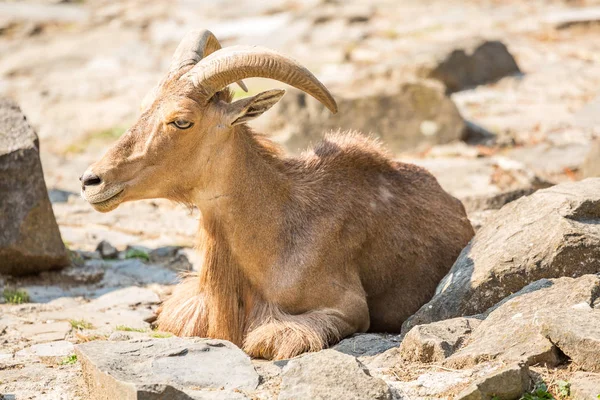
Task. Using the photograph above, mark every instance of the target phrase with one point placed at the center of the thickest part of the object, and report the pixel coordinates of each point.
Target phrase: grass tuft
(15, 296)
(81, 324)
(161, 335)
(69, 360)
(137, 253)
(128, 329)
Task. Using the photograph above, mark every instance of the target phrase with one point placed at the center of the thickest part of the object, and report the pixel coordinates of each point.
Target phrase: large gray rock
(29, 238)
(436, 341)
(483, 62)
(539, 324)
(172, 368)
(415, 115)
(330, 374)
(508, 383)
(552, 233)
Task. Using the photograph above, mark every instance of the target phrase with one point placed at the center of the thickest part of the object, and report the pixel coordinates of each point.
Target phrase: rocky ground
(493, 121)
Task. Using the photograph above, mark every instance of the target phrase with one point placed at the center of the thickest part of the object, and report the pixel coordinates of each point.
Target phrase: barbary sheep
(299, 252)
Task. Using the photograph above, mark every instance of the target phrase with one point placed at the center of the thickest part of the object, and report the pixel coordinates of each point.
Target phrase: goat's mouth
(105, 203)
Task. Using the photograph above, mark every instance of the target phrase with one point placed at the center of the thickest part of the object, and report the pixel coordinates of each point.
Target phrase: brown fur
(298, 252)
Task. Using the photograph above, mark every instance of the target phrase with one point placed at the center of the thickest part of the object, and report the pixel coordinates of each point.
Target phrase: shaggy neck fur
(235, 232)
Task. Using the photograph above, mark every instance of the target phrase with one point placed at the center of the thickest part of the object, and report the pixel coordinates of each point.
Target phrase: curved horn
(231, 64)
(195, 46)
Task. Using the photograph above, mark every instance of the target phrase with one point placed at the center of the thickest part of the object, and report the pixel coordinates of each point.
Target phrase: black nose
(90, 179)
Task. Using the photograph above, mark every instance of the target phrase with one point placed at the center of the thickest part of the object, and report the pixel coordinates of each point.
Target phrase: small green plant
(69, 360)
(539, 393)
(137, 253)
(161, 335)
(15, 296)
(128, 329)
(564, 388)
(81, 324)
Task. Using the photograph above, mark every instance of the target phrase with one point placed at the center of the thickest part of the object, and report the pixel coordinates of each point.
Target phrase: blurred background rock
(491, 96)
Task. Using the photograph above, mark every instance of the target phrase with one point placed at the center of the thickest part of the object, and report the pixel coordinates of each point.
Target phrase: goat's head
(187, 118)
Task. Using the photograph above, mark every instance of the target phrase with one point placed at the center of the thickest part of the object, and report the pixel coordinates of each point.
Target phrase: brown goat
(298, 252)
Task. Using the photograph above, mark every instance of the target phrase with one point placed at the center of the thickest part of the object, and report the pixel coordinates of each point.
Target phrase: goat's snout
(89, 179)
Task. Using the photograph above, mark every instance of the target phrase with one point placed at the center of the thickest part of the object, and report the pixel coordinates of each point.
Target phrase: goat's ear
(251, 107)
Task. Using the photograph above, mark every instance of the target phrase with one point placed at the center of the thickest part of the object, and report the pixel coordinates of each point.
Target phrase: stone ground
(79, 69)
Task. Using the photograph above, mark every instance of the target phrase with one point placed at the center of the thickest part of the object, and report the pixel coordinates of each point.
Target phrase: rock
(49, 332)
(107, 250)
(416, 115)
(30, 241)
(365, 345)
(89, 273)
(478, 135)
(31, 378)
(142, 273)
(538, 324)
(506, 384)
(577, 334)
(384, 361)
(60, 348)
(483, 62)
(585, 386)
(569, 18)
(552, 233)
(495, 201)
(436, 341)
(131, 307)
(127, 297)
(171, 257)
(89, 255)
(550, 159)
(118, 336)
(591, 165)
(173, 368)
(163, 253)
(329, 374)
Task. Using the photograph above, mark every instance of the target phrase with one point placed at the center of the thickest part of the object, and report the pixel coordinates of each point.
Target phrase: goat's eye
(182, 124)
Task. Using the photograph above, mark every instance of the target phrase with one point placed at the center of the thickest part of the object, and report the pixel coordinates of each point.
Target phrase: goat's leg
(184, 312)
(278, 335)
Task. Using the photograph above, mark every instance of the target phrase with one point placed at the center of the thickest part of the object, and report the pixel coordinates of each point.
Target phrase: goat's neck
(245, 202)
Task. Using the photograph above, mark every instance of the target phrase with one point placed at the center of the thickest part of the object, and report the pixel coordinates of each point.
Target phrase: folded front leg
(278, 335)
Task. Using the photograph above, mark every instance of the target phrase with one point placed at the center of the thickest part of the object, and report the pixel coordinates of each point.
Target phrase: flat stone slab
(173, 368)
(330, 374)
(59, 348)
(507, 383)
(40, 332)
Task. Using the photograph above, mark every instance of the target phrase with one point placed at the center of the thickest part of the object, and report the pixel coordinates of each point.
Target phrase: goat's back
(389, 222)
